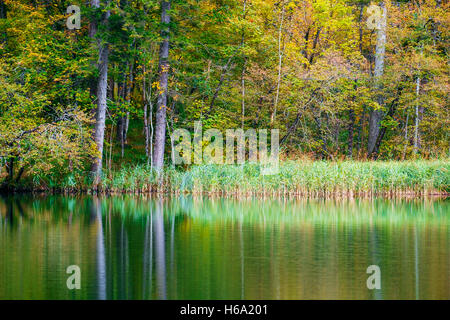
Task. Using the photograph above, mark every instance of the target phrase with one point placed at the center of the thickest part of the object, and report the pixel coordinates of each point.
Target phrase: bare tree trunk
(102, 83)
(243, 95)
(93, 25)
(111, 88)
(92, 34)
(416, 127)
(148, 118)
(377, 115)
(161, 107)
(243, 68)
(99, 128)
(124, 120)
(280, 61)
(128, 99)
(360, 42)
(152, 131)
(362, 118)
(146, 131)
(121, 120)
(418, 109)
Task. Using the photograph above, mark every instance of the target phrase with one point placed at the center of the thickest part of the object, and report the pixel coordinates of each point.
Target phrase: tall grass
(298, 178)
(318, 178)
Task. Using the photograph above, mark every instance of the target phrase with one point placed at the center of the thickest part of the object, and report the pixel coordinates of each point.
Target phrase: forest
(91, 92)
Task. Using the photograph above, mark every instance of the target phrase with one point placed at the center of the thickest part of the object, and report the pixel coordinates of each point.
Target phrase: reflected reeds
(191, 248)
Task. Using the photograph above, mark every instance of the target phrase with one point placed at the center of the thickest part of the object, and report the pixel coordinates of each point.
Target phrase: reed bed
(254, 211)
(295, 178)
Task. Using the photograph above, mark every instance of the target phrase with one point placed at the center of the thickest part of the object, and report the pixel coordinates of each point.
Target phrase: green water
(184, 248)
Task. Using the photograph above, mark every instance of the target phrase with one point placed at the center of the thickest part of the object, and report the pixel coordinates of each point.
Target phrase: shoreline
(237, 195)
(295, 178)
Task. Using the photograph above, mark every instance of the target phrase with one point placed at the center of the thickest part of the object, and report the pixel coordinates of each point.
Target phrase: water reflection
(101, 260)
(148, 257)
(416, 262)
(160, 251)
(141, 248)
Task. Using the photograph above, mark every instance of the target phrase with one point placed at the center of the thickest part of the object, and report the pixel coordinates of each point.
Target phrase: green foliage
(44, 127)
(304, 67)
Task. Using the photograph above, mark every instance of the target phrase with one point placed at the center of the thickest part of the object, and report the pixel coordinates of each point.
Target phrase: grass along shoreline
(295, 178)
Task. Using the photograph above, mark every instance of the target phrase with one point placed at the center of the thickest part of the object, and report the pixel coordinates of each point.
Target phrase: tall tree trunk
(243, 67)
(128, 99)
(360, 27)
(146, 129)
(161, 107)
(362, 117)
(93, 27)
(148, 117)
(377, 115)
(108, 161)
(280, 64)
(243, 93)
(152, 132)
(121, 120)
(102, 83)
(416, 127)
(99, 128)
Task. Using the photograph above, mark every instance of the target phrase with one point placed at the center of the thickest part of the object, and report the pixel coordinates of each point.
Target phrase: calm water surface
(184, 248)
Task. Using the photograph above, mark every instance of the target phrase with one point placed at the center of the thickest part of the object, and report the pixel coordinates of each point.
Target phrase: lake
(138, 247)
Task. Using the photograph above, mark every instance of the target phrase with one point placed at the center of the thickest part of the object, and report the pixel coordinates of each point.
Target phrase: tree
(376, 115)
(44, 127)
(102, 82)
(162, 87)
